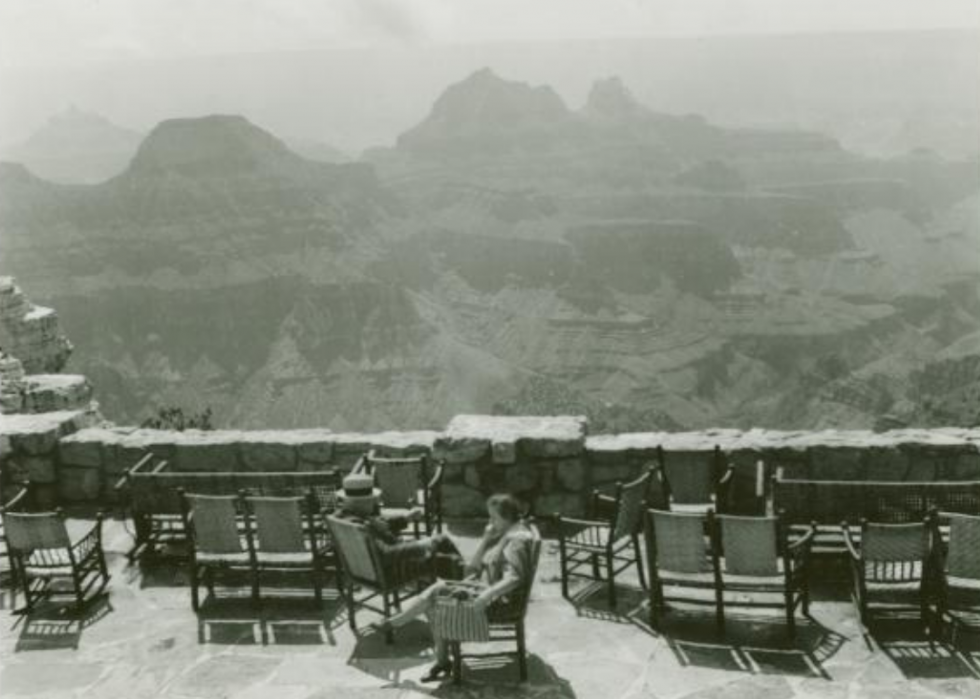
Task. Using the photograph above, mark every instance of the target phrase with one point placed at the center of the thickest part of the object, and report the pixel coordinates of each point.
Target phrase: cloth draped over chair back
(278, 524)
(35, 531)
(963, 558)
(680, 542)
(629, 518)
(353, 543)
(215, 522)
(750, 545)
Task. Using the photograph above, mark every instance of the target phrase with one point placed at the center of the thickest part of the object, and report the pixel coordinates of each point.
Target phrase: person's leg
(419, 605)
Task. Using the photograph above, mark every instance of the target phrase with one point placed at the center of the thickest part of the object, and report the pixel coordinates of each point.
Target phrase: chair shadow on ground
(758, 644)
(55, 625)
(945, 656)
(412, 651)
(591, 601)
(231, 617)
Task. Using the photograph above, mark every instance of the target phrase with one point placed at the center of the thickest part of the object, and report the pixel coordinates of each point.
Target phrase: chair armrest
(726, 477)
(360, 466)
(15, 503)
(92, 541)
(799, 550)
(849, 543)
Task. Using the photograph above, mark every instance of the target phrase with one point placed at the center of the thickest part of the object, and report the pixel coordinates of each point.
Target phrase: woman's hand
(482, 601)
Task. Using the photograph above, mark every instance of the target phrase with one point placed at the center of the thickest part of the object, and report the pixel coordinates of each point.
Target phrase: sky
(69, 32)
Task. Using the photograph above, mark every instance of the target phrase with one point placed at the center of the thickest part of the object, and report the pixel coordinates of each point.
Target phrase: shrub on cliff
(174, 418)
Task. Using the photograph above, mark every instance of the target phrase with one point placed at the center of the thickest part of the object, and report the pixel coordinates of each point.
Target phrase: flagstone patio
(143, 640)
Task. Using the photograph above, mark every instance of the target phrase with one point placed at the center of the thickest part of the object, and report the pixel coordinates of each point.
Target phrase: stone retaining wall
(549, 461)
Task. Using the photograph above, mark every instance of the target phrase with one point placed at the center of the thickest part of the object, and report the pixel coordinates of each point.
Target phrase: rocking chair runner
(608, 539)
(893, 559)
(41, 551)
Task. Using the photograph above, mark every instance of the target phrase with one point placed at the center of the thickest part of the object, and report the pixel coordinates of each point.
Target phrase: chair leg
(563, 564)
(256, 585)
(317, 585)
(610, 563)
(791, 613)
(351, 607)
(389, 634)
(521, 651)
(457, 657)
(195, 594)
(639, 561)
(596, 572)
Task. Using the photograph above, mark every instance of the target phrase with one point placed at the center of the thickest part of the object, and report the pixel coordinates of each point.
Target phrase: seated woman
(500, 565)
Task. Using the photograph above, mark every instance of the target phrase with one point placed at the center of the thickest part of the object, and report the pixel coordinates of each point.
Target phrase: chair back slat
(353, 543)
(894, 543)
(680, 542)
(963, 557)
(632, 500)
(399, 480)
(35, 531)
(278, 524)
(751, 545)
(215, 523)
(691, 481)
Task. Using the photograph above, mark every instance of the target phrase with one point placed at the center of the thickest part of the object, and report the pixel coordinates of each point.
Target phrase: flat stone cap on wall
(759, 439)
(39, 433)
(468, 437)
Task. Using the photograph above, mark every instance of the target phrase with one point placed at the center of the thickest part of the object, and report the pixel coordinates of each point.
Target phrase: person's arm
(516, 558)
(475, 564)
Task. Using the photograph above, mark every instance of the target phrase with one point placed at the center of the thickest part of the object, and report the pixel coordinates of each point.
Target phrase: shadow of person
(501, 673)
(54, 626)
(412, 649)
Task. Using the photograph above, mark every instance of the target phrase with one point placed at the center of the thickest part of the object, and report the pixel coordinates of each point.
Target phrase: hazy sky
(67, 32)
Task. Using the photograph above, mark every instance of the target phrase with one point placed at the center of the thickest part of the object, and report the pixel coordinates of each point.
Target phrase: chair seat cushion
(285, 559)
(670, 577)
(963, 583)
(691, 508)
(45, 571)
(223, 558)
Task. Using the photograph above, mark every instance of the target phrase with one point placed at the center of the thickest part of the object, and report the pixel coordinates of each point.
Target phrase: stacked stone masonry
(549, 461)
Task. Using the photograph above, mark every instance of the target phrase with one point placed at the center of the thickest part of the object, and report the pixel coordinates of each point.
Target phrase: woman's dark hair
(507, 506)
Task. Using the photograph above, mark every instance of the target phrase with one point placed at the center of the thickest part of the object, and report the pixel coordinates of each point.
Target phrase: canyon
(512, 255)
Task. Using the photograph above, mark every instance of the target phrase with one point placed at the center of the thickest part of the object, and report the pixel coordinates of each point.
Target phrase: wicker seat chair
(381, 573)
(956, 564)
(212, 523)
(41, 552)
(19, 501)
(754, 555)
(283, 535)
(694, 487)
(679, 553)
(612, 529)
(506, 618)
(890, 559)
(409, 487)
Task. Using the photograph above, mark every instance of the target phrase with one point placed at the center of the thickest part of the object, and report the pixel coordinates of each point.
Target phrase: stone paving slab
(143, 641)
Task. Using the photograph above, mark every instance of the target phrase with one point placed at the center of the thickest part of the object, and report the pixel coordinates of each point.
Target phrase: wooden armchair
(41, 551)
(382, 572)
(956, 564)
(613, 527)
(212, 523)
(694, 487)
(889, 559)
(506, 617)
(16, 499)
(755, 555)
(410, 487)
(679, 553)
(283, 535)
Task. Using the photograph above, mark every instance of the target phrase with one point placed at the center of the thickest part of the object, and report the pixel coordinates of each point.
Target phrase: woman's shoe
(437, 672)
